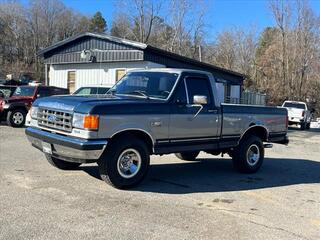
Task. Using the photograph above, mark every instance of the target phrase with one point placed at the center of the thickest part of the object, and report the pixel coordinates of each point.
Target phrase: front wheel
(58, 163)
(16, 118)
(187, 156)
(249, 155)
(125, 162)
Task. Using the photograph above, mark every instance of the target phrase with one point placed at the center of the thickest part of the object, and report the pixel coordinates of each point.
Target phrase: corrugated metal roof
(108, 48)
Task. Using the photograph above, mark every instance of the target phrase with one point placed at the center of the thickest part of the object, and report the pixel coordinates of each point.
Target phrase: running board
(268, 145)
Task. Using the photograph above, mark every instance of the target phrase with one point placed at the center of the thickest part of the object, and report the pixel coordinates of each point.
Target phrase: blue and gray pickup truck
(159, 111)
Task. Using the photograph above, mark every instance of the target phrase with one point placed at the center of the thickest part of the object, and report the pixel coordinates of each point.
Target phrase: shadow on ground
(217, 175)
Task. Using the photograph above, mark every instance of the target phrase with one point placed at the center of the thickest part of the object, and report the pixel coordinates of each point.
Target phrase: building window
(72, 81)
(119, 74)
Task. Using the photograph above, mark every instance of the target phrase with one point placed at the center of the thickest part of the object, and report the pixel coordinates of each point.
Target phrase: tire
(303, 126)
(188, 156)
(123, 154)
(308, 126)
(64, 165)
(16, 118)
(242, 161)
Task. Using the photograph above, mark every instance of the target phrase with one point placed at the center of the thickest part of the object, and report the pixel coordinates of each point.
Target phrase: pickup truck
(15, 108)
(159, 111)
(298, 114)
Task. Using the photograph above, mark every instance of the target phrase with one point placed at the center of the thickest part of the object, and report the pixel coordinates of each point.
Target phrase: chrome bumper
(67, 148)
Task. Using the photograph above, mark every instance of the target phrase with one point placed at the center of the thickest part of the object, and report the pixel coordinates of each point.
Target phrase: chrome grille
(55, 119)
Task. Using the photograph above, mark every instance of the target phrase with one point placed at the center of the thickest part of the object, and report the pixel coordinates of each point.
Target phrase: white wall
(93, 73)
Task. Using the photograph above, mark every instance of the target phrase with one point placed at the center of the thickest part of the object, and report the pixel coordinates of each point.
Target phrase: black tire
(308, 126)
(112, 166)
(188, 156)
(303, 126)
(64, 165)
(241, 160)
(16, 118)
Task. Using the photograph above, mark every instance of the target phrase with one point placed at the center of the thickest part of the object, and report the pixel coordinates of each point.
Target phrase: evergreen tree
(98, 23)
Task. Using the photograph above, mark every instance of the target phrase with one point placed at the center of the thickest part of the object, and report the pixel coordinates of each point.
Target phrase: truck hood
(94, 105)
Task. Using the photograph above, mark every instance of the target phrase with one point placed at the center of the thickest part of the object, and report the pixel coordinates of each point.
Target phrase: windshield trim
(154, 98)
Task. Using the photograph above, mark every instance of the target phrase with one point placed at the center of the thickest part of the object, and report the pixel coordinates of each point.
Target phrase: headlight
(83, 121)
(34, 112)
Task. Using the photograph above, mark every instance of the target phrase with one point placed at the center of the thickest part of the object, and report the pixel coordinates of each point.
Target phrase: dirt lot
(178, 200)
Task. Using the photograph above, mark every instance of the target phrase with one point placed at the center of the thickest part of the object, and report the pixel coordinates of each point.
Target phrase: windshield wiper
(142, 93)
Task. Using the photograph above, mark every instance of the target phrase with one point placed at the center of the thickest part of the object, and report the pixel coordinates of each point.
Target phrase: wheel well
(258, 131)
(18, 108)
(136, 133)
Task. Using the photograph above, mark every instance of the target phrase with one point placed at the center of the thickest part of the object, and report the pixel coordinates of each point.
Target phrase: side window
(44, 92)
(198, 86)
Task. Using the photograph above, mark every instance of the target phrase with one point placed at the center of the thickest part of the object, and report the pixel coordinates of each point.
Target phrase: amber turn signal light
(91, 122)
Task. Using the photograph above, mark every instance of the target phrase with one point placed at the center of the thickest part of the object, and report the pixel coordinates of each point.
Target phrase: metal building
(91, 58)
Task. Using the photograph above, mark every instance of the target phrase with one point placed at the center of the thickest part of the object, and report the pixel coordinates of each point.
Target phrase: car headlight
(84, 121)
(34, 112)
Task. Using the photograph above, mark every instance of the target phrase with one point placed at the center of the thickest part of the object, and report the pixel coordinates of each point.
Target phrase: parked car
(158, 111)
(6, 91)
(298, 114)
(14, 109)
(92, 90)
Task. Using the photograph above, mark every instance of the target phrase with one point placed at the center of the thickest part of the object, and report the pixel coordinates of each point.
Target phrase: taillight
(303, 113)
(2, 103)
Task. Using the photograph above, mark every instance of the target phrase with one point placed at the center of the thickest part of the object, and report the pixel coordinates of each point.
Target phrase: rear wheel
(308, 126)
(58, 163)
(16, 118)
(188, 156)
(125, 162)
(249, 155)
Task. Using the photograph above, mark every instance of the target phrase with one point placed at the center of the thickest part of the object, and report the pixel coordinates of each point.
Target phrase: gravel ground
(178, 200)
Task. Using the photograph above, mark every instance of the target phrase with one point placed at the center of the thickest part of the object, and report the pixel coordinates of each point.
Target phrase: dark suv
(15, 108)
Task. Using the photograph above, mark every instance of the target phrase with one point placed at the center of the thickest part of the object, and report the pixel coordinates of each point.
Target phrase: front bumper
(67, 148)
(295, 120)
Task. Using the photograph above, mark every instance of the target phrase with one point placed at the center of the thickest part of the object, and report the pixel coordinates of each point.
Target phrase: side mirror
(199, 99)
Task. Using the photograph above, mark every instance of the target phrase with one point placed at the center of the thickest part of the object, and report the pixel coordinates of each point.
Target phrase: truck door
(185, 124)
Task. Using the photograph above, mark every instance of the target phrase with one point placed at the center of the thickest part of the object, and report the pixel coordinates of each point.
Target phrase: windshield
(24, 92)
(294, 105)
(146, 84)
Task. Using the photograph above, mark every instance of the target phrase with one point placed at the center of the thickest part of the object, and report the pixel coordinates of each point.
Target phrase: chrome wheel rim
(253, 155)
(129, 163)
(17, 118)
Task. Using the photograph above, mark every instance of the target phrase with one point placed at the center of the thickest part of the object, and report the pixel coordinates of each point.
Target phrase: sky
(221, 14)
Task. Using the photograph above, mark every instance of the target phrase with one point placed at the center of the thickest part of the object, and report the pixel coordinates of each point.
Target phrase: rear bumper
(67, 148)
